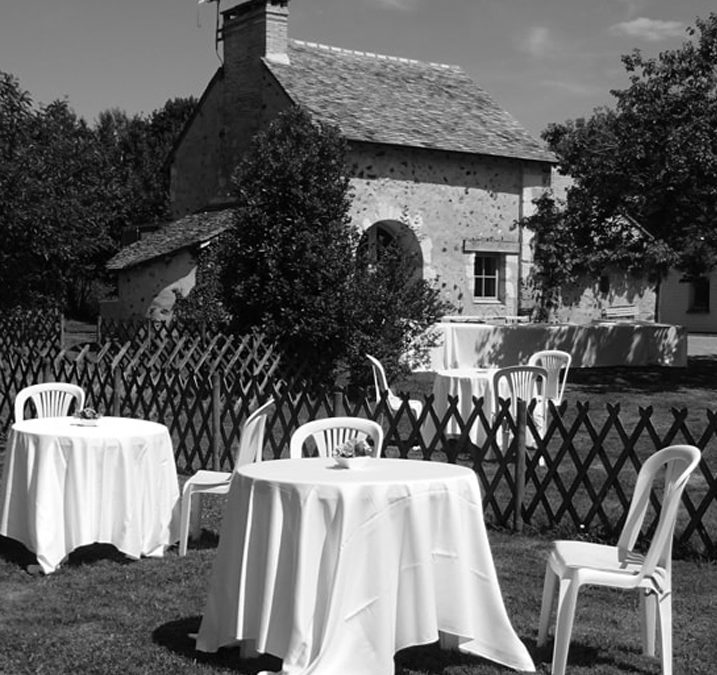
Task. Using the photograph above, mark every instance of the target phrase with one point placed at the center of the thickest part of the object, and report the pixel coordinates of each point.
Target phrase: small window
(486, 276)
(700, 295)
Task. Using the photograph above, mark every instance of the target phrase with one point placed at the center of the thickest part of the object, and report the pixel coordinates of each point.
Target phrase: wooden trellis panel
(580, 475)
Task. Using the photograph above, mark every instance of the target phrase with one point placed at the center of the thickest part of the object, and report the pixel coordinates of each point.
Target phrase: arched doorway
(386, 233)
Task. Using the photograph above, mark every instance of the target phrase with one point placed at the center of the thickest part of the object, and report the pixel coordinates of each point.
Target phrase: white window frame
(480, 279)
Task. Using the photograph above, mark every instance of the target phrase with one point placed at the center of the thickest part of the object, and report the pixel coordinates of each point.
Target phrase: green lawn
(102, 614)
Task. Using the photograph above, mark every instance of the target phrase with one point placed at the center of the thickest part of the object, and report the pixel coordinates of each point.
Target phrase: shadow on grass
(16, 553)
(430, 659)
(701, 372)
(581, 655)
(207, 539)
(175, 636)
(86, 555)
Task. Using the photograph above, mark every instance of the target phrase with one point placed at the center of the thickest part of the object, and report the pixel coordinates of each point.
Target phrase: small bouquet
(354, 447)
(87, 417)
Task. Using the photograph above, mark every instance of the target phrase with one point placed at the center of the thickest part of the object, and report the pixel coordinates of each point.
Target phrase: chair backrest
(251, 439)
(557, 363)
(51, 399)
(679, 461)
(330, 432)
(380, 382)
(523, 382)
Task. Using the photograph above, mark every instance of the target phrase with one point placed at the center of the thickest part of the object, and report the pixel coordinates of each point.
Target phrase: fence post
(46, 370)
(116, 391)
(215, 401)
(521, 422)
(338, 403)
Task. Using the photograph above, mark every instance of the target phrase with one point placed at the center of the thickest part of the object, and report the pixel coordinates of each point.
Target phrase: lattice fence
(579, 477)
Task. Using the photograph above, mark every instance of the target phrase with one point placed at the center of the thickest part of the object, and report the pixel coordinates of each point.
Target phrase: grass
(100, 613)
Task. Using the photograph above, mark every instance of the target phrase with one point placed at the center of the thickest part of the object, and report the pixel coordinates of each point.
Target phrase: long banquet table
(592, 345)
(334, 570)
(65, 485)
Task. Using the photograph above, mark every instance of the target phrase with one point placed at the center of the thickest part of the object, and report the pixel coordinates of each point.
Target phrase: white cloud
(634, 6)
(650, 30)
(404, 5)
(537, 41)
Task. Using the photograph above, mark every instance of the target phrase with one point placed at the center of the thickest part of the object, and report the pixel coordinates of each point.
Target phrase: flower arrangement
(87, 416)
(354, 447)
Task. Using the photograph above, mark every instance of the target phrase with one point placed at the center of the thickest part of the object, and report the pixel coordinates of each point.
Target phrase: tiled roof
(383, 99)
(187, 231)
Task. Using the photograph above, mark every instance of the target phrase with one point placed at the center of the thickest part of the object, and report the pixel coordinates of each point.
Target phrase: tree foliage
(53, 217)
(137, 147)
(68, 190)
(652, 158)
(393, 312)
(289, 260)
(289, 266)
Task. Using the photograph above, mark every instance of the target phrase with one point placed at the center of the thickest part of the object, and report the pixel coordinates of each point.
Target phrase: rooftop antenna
(217, 29)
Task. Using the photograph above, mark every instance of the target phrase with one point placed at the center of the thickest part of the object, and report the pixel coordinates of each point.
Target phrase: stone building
(435, 163)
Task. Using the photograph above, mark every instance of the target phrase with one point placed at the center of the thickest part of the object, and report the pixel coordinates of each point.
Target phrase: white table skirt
(66, 486)
(592, 345)
(465, 383)
(334, 570)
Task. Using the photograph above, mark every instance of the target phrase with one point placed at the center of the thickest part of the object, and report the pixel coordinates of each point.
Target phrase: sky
(542, 60)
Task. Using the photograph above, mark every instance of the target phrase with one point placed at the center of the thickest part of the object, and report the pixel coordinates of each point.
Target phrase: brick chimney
(255, 29)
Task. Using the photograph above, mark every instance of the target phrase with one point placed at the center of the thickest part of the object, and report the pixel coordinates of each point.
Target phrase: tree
(653, 158)
(289, 259)
(52, 221)
(68, 191)
(393, 311)
(138, 146)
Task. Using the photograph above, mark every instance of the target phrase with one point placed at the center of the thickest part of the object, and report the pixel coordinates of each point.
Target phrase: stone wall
(148, 290)
(675, 303)
(448, 199)
(196, 178)
(585, 301)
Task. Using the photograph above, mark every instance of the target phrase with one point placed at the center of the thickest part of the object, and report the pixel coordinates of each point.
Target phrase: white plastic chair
(330, 432)
(50, 399)
(575, 563)
(557, 363)
(380, 382)
(520, 382)
(204, 481)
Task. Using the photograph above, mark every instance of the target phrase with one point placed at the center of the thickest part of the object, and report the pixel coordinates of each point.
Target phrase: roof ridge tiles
(373, 55)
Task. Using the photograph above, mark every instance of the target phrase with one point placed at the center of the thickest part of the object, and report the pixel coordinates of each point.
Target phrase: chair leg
(195, 516)
(648, 610)
(190, 517)
(185, 508)
(664, 610)
(567, 600)
(546, 608)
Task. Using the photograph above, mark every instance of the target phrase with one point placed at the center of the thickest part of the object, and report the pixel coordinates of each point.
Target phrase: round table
(67, 485)
(465, 384)
(334, 570)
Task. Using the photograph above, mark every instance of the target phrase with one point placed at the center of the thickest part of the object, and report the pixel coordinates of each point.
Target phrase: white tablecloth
(334, 570)
(465, 383)
(592, 345)
(66, 486)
